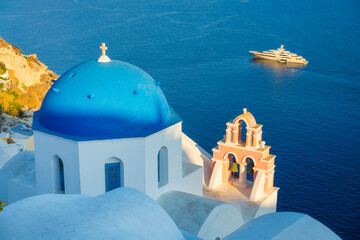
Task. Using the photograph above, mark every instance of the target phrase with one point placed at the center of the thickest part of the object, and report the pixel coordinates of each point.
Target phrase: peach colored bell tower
(251, 154)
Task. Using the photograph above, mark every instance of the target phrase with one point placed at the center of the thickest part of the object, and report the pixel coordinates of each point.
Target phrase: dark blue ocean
(198, 50)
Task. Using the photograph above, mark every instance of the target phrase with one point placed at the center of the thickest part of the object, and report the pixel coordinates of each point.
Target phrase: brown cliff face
(24, 80)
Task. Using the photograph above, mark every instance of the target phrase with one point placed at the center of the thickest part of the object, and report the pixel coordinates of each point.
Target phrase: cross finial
(103, 48)
(103, 57)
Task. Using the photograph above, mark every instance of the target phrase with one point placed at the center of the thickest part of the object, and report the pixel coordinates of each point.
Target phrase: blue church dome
(104, 100)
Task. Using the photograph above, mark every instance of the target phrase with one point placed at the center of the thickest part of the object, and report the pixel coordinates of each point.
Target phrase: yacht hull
(261, 56)
(281, 59)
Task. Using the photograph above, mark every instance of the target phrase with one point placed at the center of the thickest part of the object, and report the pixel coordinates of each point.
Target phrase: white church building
(106, 124)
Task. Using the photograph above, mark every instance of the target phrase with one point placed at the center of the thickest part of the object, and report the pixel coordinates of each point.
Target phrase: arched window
(58, 175)
(163, 167)
(114, 174)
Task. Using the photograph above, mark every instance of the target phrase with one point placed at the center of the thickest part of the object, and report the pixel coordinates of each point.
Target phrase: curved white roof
(203, 217)
(283, 226)
(123, 213)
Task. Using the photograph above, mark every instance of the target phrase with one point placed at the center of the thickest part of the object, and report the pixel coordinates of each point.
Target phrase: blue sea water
(198, 50)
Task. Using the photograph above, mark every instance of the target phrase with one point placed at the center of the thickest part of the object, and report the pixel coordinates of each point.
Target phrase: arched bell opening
(250, 172)
(242, 131)
(241, 134)
(233, 165)
(247, 172)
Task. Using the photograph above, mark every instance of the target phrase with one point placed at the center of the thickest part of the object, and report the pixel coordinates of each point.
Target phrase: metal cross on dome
(103, 58)
(103, 48)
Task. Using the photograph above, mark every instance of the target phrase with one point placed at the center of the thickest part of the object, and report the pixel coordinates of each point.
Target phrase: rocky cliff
(24, 80)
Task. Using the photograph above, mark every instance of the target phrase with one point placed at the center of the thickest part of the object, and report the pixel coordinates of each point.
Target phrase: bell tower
(251, 156)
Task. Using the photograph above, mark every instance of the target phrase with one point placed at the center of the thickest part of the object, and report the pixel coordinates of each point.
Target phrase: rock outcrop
(24, 80)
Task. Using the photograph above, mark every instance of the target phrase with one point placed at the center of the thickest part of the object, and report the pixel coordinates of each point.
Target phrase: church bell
(251, 170)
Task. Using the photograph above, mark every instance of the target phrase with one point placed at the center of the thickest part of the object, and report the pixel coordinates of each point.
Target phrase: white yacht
(280, 55)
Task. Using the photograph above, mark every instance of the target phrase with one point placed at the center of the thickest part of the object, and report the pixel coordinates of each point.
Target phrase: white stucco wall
(17, 177)
(94, 154)
(171, 139)
(11, 149)
(48, 146)
(268, 205)
(140, 162)
(84, 163)
(4, 157)
(195, 154)
(192, 179)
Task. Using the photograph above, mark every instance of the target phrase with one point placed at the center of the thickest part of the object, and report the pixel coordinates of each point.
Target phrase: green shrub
(20, 113)
(15, 94)
(2, 85)
(2, 68)
(18, 108)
